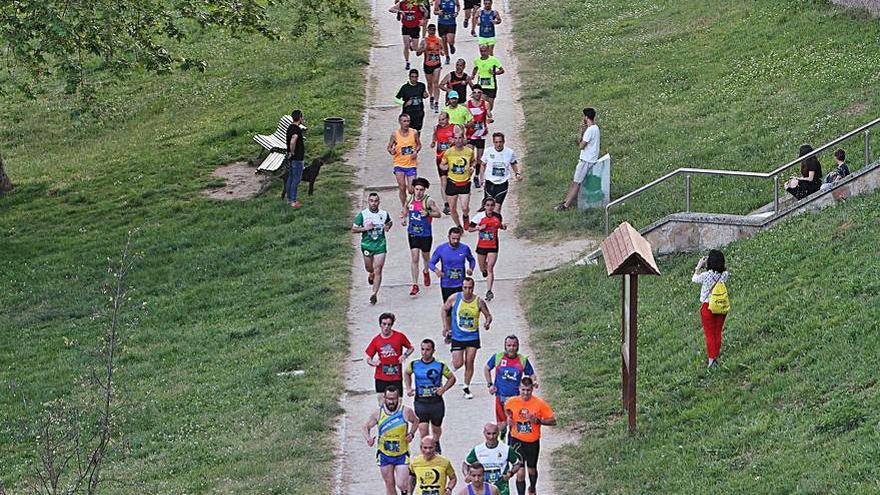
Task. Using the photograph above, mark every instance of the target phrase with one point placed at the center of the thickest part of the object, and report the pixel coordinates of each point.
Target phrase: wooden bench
(276, 140)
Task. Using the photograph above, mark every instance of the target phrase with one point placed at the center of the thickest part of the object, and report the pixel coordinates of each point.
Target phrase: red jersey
(389, 351)
(411, 14)
(488, 237)
(479, 111)
(444, 140)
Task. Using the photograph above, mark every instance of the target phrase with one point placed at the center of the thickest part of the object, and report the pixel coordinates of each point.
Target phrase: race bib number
(409, 16)
(493, 475)
(458, 168)
(391, 445)
(407, 150)
(523, 426)
(485, 81)
(429, 491)
(434, 57)
(391, 369)
(499, 170)
(427, 391)
(466, 321)
(442, 146)
(485, 235)
(417, 229)
(376, 232)
(454, 274)
(478, 126)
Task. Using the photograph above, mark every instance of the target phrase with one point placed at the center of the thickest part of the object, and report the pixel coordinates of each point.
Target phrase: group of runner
(511, 445)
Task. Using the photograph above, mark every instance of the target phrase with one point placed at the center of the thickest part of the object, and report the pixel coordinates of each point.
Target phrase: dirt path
(418, 317)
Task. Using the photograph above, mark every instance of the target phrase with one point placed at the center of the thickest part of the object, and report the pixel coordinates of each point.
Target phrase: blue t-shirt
(487, 23)
(453, 263)
(428, 377)
(509, 372)
(447, 13)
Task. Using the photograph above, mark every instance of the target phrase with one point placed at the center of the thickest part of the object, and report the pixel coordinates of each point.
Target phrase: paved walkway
(418, 317)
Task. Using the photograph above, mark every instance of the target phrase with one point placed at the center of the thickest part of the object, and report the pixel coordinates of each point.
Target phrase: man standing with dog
(296, 155)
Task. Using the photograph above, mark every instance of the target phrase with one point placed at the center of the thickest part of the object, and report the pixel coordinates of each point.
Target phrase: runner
(452, 256)
(433, 50)
(487, 222)
(457, 161)
(461, 325)
(510, 367)
(470, 7)
(446, 11)
(495, 170)
(488, 18)
(498, 460)
(441, 141)
(386, 353)
(412, 98)
(458, 80)
(420, 212)
(372, 223)
(477, 134)
(429, 390)
(404, 145)
(396, 428)
(433, 473)
(458, 114)
(526, 413)
(479, 485)
(486, 69)
(411, 14)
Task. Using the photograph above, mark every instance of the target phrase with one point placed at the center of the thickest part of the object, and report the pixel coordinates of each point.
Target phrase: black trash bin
(334, 131)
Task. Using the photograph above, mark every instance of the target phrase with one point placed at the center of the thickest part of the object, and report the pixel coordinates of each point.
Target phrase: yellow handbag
(719, 302)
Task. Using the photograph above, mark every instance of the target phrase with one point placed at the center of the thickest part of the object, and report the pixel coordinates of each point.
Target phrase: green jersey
(485, 77)
(373, 240)
(459, 115)
(497, 462)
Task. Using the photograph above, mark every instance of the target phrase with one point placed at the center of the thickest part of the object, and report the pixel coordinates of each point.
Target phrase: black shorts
(430, 70)
(490, 92)
(412, 32)
(470, 4)
(460, 345)
(448, 291)
(422, 243)
(496, 191)
(430, 410)
(480, 144)
(529, 451)
(415, 119)
(444, 29)
(452, 189)
(381, 385)
(481, 250)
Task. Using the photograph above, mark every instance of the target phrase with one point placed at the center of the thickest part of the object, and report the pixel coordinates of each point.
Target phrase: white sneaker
(467, 393)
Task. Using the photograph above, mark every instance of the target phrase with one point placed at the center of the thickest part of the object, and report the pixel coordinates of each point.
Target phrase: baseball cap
(452, 94)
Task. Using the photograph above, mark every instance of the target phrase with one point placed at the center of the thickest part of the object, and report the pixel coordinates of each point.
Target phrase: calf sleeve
(521, 487)
(533, 480)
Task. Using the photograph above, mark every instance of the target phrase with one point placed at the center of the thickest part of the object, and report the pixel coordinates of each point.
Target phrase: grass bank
(733, 85)
(230, 292)
(793, 408)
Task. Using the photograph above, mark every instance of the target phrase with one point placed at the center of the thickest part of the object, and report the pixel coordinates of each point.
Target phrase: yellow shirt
(405, 154)
(460, 162)
(392, 432)
(431, 476)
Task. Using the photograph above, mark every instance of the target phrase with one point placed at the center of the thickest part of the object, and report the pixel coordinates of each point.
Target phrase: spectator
(588, 142)
(839, 172)
(296, 155)
(811, 175)
(712, 323)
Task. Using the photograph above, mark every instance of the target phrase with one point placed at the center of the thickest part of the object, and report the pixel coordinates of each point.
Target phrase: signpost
(628, 254)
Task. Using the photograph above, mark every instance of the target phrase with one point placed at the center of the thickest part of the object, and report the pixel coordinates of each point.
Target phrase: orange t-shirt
(518, 409)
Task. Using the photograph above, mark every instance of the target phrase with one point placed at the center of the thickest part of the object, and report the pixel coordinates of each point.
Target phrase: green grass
(794, 406)
(232, 292)
(685, 83)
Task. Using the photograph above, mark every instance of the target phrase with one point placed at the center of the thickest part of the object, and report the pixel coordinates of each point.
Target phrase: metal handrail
(774, 174)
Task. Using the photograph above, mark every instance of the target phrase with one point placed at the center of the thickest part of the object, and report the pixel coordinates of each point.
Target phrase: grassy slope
(736, 84)
(234, 291)
(793, 407)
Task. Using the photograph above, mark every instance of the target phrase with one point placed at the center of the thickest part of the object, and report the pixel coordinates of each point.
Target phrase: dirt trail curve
(418, 317)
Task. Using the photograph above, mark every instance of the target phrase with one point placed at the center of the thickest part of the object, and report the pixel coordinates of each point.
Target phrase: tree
(76, 41)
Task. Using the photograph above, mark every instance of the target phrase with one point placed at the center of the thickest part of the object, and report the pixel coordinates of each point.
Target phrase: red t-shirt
(410, 14)
(488, 237)
(444, 140)
(389, 351)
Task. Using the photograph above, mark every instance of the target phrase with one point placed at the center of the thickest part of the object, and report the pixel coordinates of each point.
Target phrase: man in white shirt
(589, 145)
(498, 162)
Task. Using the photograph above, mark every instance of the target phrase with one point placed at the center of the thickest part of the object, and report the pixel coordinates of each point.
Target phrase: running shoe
(489, 295)
(560, 207)
(452, 50)
(447, 59)
(373, 299)
(473, 33)
(485, 274)
(465, 24)
(446, 208)
(427, 278)
(437, 448)
(407, 65)
(432, 102)
(467, 393)
(370, 278)
(295, 204)
(477, 182)
(414, 291)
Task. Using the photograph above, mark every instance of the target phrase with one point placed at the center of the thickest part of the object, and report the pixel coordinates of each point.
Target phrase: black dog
(310, 175)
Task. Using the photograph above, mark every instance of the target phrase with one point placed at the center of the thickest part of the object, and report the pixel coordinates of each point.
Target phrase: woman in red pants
(712, 324)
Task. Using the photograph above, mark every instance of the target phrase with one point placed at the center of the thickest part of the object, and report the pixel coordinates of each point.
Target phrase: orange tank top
(432, 51)
(405, 154)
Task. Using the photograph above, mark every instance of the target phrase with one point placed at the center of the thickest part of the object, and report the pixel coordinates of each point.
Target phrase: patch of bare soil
(241, 182)
(872, 6)
(856, 108)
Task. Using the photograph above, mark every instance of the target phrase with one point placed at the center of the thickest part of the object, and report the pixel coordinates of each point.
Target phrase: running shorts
(583, 168)
(416, 118)
(381, 385)
(470, 4)
(453, 189)
(500, 414)
(529, 451)
(430, 70)
(407, 171)
(479, 144)
(483, 250)
(448, 291)
(387, 460)
(430, 410)
(412, 32)
(498, 192)
(421, 242)
(440, 171)
(486, 41)
(444, 29)
(373, 252)
(460, 345)
(489, 92)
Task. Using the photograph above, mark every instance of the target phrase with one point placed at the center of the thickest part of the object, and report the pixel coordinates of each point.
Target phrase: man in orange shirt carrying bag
(526, 414)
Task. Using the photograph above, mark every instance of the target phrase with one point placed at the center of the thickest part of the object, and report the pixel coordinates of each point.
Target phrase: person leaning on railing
(811, 175)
